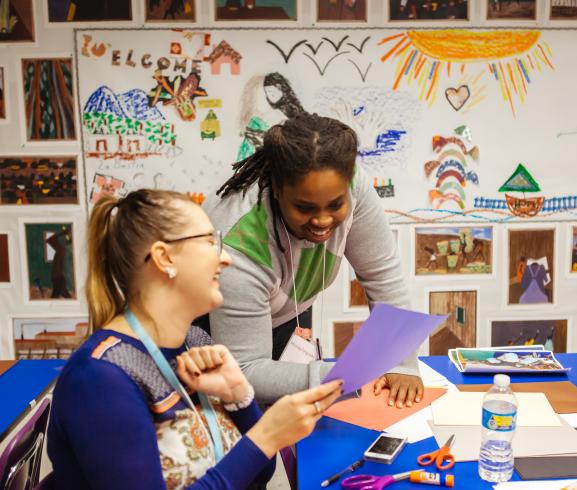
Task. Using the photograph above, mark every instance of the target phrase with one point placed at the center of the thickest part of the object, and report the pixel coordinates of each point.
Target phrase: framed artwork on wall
(19, 21)
(455, 250)
(49, 269)
(48, 90)
(511, 9)
(5, 256)
(38, 180)
(3, 96)
(170, 10)
(48, 337)
(550, 333)
(342, 10)
(563, 10)
(88, 11)
(426, 10)
(531, 269)
(460, 328)
(255, 10)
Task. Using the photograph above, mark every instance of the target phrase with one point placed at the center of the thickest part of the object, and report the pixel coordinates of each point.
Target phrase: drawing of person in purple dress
(533, 284)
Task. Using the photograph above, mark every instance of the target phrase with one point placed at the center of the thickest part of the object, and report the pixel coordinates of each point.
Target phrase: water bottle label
(501, 422)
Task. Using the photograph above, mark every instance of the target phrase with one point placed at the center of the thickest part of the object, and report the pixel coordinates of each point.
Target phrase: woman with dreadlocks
(289, 214)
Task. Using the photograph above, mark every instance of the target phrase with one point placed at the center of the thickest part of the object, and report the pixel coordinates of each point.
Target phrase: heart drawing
(457, 97)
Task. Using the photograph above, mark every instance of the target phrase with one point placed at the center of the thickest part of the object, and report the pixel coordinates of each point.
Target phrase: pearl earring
(171, 271)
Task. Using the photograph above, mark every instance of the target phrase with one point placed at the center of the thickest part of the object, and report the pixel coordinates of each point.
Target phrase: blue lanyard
(172, 379)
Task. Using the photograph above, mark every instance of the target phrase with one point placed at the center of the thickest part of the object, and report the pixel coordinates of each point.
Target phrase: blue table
(334, 444)
(21, 386)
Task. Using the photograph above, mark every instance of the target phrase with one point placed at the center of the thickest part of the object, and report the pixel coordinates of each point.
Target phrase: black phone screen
(385, 445)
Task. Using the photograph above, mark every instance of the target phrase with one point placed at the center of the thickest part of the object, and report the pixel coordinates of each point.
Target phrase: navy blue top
(112, 411)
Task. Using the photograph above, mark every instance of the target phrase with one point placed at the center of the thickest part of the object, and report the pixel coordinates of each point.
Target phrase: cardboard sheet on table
(5, 365)
(385, 339)
(546, 467)
(562, 395)
(373, 412)
(462, 408)
(528, 441)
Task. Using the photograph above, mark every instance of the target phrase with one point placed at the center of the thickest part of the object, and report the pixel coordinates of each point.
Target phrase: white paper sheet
(414, 427)
(528, 441)
(465, 408)
(570, 418)
(534, 485)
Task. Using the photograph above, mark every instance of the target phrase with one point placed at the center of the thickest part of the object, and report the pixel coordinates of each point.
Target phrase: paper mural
(49, 99)
(550, 333)
(170, 11)
(457, 250)
(38, 180)
(531, 266)
(16, 21)
(426, 10)
(88, 11)
(50, 261)
(256, 10)
(512, 58)
(48, 338)
(4, 259)
(176, 108)
(460, 328)
(341, 10)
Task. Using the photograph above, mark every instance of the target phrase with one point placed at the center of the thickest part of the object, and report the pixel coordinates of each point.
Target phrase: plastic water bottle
(498, 428)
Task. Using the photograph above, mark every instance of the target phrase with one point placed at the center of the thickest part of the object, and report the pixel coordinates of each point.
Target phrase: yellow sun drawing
(511, 57)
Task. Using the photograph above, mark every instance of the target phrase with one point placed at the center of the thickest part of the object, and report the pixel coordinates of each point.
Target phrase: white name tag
(299, 350)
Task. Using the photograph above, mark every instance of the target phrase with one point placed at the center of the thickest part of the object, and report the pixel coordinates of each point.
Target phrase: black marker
(334, 478)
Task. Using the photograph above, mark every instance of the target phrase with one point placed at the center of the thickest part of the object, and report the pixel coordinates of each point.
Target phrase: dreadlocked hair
(290, 150)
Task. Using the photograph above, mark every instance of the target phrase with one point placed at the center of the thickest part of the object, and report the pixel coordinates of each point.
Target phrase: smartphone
(385, 449)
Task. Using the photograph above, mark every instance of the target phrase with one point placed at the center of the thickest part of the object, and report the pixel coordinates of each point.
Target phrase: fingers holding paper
(404, 389)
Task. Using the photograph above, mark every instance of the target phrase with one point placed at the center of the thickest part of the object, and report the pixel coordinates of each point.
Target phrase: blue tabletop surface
(334, 445)
(22, 384)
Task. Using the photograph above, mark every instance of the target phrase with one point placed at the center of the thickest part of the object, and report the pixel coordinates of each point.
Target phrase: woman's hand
(211, 369)
(404, 389)
(293, 417)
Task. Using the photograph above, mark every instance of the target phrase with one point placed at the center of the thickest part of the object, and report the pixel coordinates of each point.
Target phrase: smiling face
(314, 206)
(198, 263)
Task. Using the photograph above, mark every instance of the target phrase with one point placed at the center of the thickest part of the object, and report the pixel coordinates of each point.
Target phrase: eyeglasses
(215, 234)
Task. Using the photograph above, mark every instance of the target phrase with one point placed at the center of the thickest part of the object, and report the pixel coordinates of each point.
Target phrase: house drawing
(224, 54)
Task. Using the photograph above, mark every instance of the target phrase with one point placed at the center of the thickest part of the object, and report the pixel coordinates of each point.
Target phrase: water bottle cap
(501, 380)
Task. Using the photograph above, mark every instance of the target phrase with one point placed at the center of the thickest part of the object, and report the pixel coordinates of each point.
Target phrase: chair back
(20, 461)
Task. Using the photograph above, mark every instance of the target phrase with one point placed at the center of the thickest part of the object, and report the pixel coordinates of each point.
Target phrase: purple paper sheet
(385, 339)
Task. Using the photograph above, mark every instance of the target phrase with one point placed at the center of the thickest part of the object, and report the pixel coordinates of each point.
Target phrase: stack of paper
(537, 485)
(539, 432)
(515, 359)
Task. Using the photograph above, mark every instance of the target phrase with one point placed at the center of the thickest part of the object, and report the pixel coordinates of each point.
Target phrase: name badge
(300, 348)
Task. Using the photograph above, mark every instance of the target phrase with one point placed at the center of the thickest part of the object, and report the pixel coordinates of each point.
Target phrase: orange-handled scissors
(442, 457)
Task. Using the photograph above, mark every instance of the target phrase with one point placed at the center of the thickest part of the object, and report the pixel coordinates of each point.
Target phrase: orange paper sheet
(373, 412)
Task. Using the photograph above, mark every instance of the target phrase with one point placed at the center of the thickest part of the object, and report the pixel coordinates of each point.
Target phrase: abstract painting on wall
(518, 9)
(531, 266)
(550, 333)
(48, 99)
(342, 10)
(38, 180)
(427, 10)
(256, 9)
(170, 11)
(48, 338)
(453, 250)
(4, 259)
(50, 261)
(574, 250)
(460, 328)
(88, 10)
(16, 21)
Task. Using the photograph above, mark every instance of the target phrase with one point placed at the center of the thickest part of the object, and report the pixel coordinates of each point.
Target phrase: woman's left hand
(404, 389)
(211, 369)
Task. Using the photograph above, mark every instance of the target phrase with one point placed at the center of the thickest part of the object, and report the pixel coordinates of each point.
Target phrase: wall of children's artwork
(464, 112)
